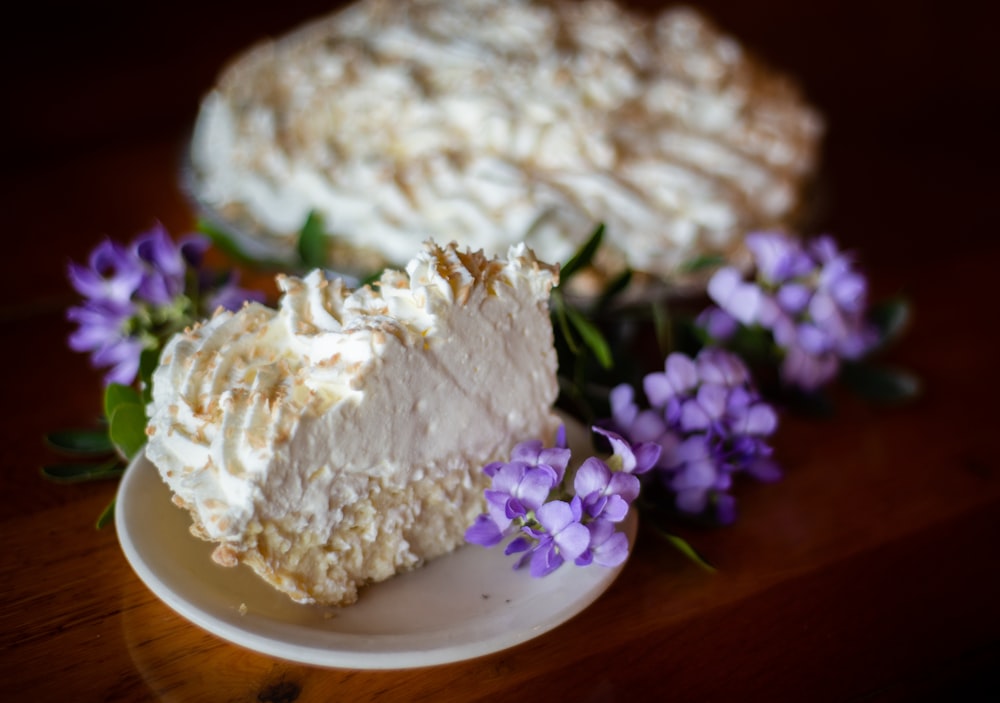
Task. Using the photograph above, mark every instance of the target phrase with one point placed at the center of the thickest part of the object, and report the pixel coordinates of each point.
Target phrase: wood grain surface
(870, 572)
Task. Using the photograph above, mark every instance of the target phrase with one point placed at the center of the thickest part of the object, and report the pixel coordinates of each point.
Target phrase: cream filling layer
(276, 427)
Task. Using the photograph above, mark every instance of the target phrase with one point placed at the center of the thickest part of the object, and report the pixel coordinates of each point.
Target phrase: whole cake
(340, 439)
(497, 121)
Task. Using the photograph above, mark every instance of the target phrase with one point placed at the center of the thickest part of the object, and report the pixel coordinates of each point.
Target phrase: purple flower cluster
(135, 296)
(710, 424)
(808, 296)
(530, 501)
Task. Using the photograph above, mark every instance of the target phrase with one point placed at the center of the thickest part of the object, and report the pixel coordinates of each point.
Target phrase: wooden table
(870, 572)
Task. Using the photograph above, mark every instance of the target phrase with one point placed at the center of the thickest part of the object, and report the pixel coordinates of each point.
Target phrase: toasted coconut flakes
(225, 555)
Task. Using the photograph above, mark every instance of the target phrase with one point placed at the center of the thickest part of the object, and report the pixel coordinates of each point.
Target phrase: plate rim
(382, 651)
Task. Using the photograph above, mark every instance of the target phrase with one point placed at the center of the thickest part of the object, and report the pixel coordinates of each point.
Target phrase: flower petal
(625, 485)
(615, 508)
(483, 532)
(573, 540)
(682, 372)
(554, 516)
(592, 477)
(535, 486)
(545, 559)
(760, 420)
(623, 407)
(646, 456)
(608, 546)
(694, 417)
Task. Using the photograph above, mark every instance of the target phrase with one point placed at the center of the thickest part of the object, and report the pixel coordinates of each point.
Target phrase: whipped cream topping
(282, 422)
(495, 121)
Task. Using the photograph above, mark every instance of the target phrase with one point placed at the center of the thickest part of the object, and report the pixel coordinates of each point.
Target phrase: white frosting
(273, 426)
(496, 121)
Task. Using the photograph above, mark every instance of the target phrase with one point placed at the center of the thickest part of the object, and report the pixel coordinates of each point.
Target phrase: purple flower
(608, 547)
(533, 453)
(694, 473)
(164, 266)
(807, 297)
(112, 274)
(530, 502)
(103, 332)
(484, 531)
(639, 425)
(778, 257)
(718, 323)
(631, 459)
(563, 537)
(709, 424)
(743, 301)
(518, 488)
(101, 323)
(137, 296)
(605, 494)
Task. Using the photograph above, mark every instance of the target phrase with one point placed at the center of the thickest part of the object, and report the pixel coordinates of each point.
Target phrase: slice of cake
(340, 439)
(492, 122)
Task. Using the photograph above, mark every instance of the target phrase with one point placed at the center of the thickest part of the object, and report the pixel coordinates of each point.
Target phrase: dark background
(915, 82)
(96, 92)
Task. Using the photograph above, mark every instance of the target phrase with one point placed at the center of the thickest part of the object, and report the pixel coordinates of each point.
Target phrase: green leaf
(313, 243)
(128, 428)
(592, 337)
(616, 286)
(79, 473)
(220, 238)
(879, 383)
(705, 261)
(86, 442)
(370, 278)
(107, 516)
(226, 243)
(583, 257)
(663, 328)
(116, 394)
(148, 362)
(755, 344)
(562, 324)
(890, 317)
(685, 548)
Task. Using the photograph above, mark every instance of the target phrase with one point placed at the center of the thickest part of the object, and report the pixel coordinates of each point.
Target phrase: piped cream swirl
(492, 122)
(279, 421)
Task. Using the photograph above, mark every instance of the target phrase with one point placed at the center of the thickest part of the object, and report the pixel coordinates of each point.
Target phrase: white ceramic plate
(460, 606)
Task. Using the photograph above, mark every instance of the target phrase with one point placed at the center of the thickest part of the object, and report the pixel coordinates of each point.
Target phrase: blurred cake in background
(491, 122)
